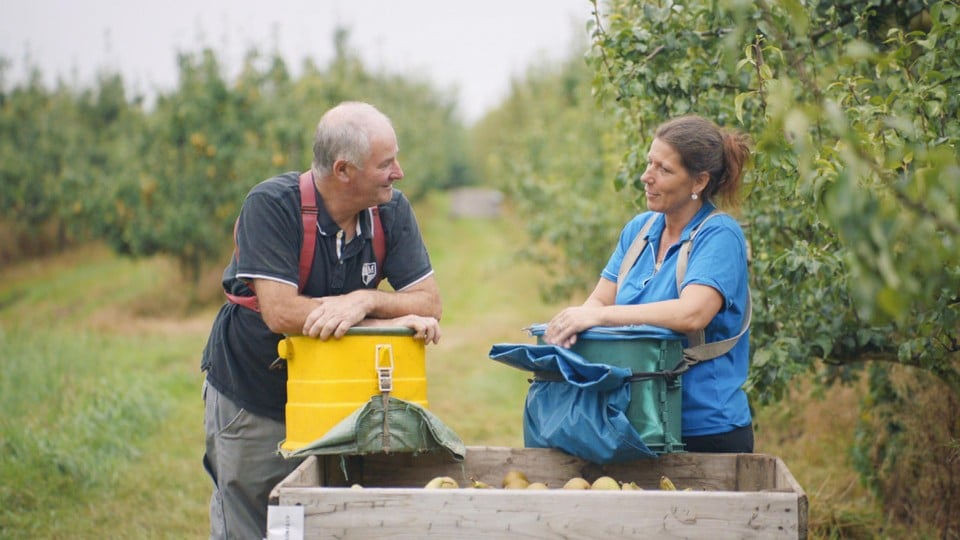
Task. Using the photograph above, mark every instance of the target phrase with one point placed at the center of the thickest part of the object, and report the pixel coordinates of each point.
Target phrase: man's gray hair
(344, 133)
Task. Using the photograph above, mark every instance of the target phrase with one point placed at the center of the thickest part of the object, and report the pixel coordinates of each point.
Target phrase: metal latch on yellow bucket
(384, 372)
(385, 382)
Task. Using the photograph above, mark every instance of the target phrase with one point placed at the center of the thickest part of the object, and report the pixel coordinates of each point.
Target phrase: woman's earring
(694, 196)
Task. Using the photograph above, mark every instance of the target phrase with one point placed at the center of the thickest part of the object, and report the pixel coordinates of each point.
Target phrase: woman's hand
(562, 330)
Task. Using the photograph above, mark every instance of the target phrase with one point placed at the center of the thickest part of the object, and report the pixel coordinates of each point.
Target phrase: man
(355, 165)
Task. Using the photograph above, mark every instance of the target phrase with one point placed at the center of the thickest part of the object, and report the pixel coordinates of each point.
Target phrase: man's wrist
(367, 298)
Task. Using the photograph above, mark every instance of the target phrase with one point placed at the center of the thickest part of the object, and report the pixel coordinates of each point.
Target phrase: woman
(691, 164)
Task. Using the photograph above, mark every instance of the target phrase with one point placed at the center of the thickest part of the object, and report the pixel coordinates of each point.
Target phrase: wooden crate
(732, 496)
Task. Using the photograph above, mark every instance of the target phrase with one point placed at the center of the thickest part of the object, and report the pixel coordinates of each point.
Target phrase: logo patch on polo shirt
(369, 272)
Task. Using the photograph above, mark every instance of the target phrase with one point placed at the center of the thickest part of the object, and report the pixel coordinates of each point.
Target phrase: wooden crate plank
(755, 472)
(307, 474)
(733, 496)
(713, 472)
(787, 483)
(489, 464)
(473, 513)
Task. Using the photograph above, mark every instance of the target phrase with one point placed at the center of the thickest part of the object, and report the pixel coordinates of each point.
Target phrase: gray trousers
(242, 460)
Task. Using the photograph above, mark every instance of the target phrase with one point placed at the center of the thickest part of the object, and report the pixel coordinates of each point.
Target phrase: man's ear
(341, 169)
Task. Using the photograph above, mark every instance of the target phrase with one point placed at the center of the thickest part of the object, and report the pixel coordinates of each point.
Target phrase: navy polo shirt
(268, 238)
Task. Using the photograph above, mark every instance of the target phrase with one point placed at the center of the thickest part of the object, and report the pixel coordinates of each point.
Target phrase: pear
(605, 483)
(479, 484)
(632, 486)
(516, 483)
(356, 486)
(576, 483)
(667, 484)
(513, 477)
(442, 482)
(537, 485)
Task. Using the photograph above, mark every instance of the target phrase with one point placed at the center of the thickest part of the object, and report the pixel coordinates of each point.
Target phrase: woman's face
(667, 183)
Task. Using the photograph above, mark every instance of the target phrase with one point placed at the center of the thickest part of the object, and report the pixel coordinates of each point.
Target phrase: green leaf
(738, 102)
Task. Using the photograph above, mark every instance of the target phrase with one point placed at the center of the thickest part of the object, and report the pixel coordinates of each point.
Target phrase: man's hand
(334, 315)
(425, 328)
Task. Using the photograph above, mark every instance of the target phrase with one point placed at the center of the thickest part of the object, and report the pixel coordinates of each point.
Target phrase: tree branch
(601, 31)
(951, 227)
(942, 370)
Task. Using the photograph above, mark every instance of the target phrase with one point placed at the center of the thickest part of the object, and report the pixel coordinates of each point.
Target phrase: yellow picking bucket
(328, 380)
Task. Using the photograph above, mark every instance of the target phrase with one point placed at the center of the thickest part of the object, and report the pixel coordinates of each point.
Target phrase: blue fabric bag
(578, 406)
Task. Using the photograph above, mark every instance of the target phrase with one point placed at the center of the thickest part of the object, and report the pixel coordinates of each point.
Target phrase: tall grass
(78, 402)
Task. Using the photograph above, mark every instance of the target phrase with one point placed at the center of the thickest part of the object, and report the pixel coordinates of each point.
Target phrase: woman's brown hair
(704, 146)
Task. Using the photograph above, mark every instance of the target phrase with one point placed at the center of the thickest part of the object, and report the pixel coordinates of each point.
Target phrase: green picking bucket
(655, 402)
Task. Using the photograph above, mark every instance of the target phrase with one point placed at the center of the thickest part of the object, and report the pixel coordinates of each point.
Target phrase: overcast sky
(471, 47)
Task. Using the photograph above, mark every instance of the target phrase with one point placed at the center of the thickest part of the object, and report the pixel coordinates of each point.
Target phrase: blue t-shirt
(713, 398)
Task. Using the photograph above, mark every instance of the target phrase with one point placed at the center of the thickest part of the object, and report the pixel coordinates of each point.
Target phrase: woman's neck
(675, 221)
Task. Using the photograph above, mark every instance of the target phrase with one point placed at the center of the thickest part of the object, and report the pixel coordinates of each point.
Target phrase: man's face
(375, 177)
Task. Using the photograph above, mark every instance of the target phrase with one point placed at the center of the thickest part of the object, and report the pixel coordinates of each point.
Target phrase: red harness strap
(379, 243)
(308, 212)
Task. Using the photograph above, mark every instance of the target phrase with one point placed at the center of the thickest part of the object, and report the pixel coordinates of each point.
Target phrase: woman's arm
(696, 307)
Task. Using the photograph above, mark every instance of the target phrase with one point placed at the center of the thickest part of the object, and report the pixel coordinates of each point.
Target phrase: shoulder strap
(697, 351)
(379, 241)
(308, 213)
(633, 252)
(695, 354)
(694, 338)
(249, 302)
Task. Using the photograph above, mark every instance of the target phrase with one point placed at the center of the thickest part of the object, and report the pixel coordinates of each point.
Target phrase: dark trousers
(740, 440)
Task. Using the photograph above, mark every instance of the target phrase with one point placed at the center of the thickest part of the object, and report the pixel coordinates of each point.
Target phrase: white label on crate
(284, 522)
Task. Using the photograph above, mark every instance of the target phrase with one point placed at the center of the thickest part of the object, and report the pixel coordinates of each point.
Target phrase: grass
(89, 396)
(102, 434)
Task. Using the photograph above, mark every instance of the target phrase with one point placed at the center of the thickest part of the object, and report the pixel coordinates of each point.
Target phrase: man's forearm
(389, 304)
